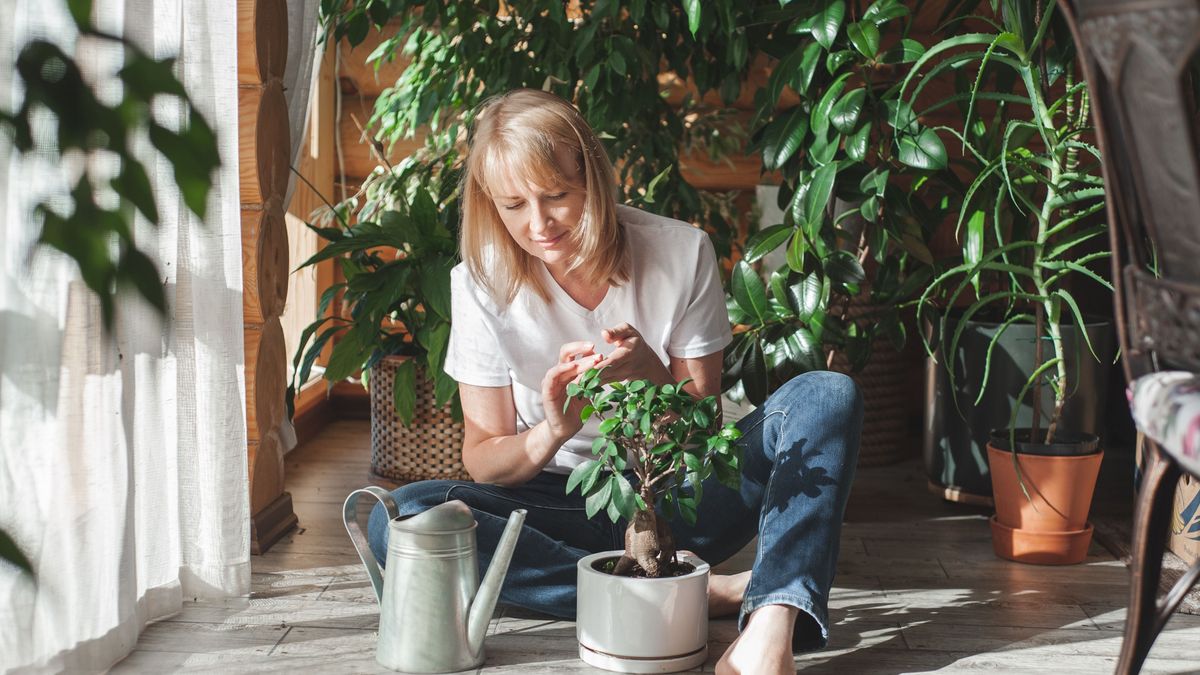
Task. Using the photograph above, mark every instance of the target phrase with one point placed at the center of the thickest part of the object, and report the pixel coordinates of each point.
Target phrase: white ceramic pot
(642, 625)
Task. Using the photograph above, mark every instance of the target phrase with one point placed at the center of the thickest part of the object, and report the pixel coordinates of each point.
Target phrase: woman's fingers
(619, 333)
(573, 350)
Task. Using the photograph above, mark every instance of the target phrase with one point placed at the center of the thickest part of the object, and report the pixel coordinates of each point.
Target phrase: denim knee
(410, 499)
(836, 391)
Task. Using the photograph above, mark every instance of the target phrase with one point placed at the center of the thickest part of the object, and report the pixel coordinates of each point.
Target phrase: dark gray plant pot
(955, 438)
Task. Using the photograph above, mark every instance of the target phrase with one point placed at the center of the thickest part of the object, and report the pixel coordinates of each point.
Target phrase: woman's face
(539, 218)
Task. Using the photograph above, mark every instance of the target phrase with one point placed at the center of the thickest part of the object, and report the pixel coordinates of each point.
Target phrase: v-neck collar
(560, 295)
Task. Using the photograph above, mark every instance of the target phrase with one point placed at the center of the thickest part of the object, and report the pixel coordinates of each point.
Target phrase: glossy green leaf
(807, 296)
(856, 142)
(693, 10)
(973, 244)
(803, 350)
(843, 267)
(828, 21)
(624, 497)
(904, 51)
(821, 112)
(608, 425)
(765, 241)
(795, 251)
(845, 113)
(924, 151)
(749, 292)
(754, 374)
(882, 11)
(819, 192)
(864, 35)
(782, 138)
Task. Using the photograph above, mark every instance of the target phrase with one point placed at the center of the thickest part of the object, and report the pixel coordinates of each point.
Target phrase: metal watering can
(433, 610)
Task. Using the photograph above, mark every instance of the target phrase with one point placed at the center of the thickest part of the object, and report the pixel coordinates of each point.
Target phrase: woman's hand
(574, 359)
(632, 359)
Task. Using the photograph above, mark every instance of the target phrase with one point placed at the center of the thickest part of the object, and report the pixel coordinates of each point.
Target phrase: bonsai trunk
(648, 543)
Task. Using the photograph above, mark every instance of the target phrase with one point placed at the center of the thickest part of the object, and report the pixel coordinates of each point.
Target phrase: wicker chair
(1142, 65)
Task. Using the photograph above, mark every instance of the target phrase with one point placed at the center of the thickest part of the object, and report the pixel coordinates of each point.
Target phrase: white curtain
(122, 462)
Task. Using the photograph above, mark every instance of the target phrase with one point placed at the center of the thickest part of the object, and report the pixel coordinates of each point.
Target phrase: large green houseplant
(861, 192)
(395, 300)
(1028, 234)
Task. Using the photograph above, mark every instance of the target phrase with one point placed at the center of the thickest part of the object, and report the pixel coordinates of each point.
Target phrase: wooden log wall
(264, 148)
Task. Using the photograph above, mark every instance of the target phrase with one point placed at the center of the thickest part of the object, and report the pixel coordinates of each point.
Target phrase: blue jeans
(799, 454)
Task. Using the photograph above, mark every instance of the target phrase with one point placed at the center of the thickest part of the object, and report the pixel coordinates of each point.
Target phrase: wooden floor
(918, 590)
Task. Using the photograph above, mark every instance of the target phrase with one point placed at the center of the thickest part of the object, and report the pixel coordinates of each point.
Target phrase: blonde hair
(518, 134)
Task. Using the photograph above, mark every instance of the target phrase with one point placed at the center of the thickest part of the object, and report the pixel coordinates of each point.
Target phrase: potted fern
(1028, 237)
(394, 323)
(647, 606)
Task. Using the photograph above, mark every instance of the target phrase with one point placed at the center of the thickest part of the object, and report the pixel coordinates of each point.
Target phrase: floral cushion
(1166, 407)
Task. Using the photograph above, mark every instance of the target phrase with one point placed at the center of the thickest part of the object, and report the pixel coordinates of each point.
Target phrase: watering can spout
(485, 598)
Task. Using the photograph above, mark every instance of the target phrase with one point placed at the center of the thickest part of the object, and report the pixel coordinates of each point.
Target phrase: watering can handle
(350, 518)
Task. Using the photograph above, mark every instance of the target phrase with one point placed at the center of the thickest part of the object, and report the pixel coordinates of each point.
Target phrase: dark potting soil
(674, 569)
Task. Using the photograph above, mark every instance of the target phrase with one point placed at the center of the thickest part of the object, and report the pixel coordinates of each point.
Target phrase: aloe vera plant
(1026, 222)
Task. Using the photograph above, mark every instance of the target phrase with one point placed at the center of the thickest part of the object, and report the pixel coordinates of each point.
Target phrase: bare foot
(765, 646)
(725, 594)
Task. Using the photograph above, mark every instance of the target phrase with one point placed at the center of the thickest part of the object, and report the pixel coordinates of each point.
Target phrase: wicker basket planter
(429, 448)
(887, 397)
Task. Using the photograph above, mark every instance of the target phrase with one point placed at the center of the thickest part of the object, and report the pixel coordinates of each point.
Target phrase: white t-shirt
(673, 298)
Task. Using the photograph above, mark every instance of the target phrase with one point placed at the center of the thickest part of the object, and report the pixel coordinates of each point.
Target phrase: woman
(558, 279)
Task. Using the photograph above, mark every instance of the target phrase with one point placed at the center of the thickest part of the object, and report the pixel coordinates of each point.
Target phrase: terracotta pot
(1060, 488)
(1049, 526)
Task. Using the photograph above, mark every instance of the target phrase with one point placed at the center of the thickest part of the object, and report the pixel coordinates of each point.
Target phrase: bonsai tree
(665, 438)
(1026, 221)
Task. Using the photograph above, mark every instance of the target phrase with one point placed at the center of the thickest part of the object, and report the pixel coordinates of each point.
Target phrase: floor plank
(918, 590)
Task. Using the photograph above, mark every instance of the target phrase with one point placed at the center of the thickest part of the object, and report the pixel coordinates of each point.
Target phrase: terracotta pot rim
(1036, 455)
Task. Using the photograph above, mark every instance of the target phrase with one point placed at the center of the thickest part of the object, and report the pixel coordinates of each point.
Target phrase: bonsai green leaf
(404, 391)
(818, 194)
(844, 114)
(827, 21)
(856, 143)
(608, 425)
(750, 293)
(597, 500)
(692, 8)
(864, 35)
(923, 151)
(687, 509)
(765, 241)
(692, 462)
(11, 553)
(783, 137)
(579, 472)
(1080, 323)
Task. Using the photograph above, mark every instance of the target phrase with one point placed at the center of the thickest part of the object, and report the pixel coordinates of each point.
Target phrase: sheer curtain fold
(122, 462)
